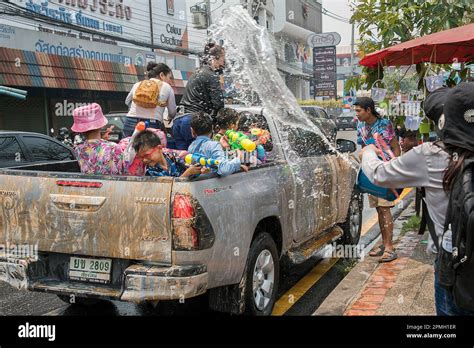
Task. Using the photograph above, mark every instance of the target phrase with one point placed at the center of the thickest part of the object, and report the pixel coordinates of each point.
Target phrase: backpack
(456, 269)
(147, 94)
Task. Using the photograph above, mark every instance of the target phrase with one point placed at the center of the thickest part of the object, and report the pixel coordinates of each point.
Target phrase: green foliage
(412, 224)
(385, 23)
(323, 103)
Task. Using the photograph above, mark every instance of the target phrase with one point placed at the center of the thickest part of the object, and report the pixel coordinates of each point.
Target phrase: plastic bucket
(364, 185)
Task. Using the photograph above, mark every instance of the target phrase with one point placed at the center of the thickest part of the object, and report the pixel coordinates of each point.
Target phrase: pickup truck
(147, 239)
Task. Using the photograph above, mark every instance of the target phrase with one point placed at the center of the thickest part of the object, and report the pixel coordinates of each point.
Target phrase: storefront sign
(121, 18)
(324, 39)
(324, 69)
(82, 46)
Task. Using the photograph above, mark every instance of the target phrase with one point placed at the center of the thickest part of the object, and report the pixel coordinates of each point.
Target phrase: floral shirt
(176, 167)
(101, 157)
(382, 126)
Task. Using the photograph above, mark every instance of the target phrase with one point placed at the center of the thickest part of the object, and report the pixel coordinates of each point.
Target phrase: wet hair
(211, 50)
(409, 134)
(366, 103)
(455, 165)
(146, 140)
(201, 123)
(226, 117)
(155, 69)
(246, 120)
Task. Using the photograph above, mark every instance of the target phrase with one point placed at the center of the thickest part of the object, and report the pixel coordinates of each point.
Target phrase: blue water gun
(197, 158)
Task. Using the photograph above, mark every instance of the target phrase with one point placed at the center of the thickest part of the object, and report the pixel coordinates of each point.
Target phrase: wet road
(302, 289)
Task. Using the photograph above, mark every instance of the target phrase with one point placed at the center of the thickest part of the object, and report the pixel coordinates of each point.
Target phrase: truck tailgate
(117, 217)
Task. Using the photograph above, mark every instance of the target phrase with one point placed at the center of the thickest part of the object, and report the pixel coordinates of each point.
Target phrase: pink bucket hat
(88, 118)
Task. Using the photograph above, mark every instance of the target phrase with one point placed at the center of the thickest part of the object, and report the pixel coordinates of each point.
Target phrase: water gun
(197, 158)
(263, 135)
(129, 154)
(240, 141)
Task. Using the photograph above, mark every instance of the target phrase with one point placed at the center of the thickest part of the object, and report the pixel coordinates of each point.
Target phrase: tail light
(192, 229)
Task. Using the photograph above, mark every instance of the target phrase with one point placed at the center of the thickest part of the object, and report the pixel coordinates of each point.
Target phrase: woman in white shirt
(162, 74)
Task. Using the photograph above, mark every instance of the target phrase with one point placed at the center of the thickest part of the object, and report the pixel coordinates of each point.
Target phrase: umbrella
(443, 47)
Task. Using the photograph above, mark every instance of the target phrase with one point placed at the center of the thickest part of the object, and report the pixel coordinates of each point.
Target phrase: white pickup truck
(151, 239)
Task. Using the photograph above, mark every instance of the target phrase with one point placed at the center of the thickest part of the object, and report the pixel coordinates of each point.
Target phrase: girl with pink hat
(96, 155)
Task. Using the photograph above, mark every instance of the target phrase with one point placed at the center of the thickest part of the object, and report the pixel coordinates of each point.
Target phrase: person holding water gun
(247, 122)
(201, 128)
(226, 120)
(372, 129)
(149, 149)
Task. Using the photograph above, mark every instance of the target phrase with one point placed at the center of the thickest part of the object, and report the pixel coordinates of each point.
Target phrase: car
(24, 148)
(321, 119)
(147, 239)
(347, 120)
(117, 120)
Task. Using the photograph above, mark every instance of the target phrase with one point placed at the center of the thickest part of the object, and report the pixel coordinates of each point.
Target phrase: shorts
(375, 202)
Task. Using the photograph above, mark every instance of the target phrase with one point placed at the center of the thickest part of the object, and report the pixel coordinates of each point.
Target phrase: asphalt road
(313, 278)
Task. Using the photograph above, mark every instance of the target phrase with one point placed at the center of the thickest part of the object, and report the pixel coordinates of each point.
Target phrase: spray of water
(253, 67)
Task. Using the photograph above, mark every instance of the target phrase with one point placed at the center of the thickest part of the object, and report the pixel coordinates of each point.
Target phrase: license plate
(90, 270)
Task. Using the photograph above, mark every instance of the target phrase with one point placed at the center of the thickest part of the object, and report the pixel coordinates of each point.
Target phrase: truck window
(43, 149)
(306, 143)
(10, 151)
(315, 113)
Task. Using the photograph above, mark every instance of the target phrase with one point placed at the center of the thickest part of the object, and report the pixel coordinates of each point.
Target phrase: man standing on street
(370, 122)
(203, 93)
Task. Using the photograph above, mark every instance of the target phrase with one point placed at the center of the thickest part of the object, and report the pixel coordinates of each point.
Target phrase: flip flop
(392, 256)
(378, 251)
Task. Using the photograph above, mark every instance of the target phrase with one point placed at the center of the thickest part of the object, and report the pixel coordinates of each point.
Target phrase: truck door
(314, 180)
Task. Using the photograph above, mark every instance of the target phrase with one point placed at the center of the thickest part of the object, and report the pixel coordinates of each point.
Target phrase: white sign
(324, 39)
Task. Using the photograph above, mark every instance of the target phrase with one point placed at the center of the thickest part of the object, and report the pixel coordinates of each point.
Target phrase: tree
(385, 23)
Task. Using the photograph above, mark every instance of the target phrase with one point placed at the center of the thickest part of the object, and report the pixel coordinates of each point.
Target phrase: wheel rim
(354, 219)
(263, 279)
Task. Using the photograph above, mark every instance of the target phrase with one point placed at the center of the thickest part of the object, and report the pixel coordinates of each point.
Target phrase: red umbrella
(441, 48)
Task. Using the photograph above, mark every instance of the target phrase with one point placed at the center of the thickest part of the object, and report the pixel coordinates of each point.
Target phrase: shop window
(10, 151)
(43, 149)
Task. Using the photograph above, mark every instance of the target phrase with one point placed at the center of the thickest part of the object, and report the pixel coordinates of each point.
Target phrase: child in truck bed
(97, 155)
(247, 122)
(201, 128)
(226, 119)
(148, 146)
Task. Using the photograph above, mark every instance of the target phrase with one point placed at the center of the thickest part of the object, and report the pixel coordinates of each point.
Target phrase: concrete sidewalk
(402, 287)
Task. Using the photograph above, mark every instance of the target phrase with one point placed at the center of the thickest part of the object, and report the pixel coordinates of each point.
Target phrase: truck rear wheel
(262, 276)
(353, 225)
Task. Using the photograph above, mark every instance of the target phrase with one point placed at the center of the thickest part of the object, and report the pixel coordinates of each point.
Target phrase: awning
(35, 69)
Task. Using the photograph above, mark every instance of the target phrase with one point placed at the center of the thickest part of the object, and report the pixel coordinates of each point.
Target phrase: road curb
(353, 284)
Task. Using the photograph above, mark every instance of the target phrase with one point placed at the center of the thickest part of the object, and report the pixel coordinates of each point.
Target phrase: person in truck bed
(97, 155)
(148, 146)
(201, 128)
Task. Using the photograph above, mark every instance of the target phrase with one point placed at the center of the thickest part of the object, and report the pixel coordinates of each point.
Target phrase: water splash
(253, 67)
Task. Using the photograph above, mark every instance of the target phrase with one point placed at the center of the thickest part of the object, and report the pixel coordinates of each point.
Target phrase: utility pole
(151, 22)
(208, 13)
(352, 50)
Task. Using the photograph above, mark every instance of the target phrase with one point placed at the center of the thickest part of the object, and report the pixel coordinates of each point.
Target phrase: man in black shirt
(203, 93)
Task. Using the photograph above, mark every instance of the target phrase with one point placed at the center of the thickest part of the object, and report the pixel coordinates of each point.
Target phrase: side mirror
(343, 145)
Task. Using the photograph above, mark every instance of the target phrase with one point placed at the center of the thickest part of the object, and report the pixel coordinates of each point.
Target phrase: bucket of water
(366, 186)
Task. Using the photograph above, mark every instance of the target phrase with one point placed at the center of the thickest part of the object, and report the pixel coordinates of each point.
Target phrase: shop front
(57, 84)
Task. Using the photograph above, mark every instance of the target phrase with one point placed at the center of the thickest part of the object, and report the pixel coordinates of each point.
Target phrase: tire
(80, 301)
(260, 302)
(353, 225)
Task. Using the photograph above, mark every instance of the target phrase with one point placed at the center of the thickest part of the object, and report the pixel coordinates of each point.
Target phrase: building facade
(290, 21)
(346, 67)
(295, 22)
(67, 53)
